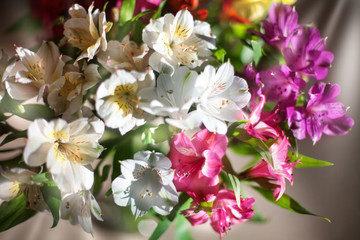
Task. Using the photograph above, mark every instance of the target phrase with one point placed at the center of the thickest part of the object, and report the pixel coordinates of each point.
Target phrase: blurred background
(333, 192)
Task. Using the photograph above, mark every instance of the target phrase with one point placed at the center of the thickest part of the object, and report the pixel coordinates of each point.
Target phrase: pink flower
(274, 178)
(256, 127)
(224, 212)
(197, 163)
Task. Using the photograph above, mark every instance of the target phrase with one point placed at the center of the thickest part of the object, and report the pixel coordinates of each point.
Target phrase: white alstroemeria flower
(146, 182)
(178, 40)
(77, 207)
(41, 69)
(19, 180)
(66, 94)
(6, 67)
(67, 149)
(126, 55)
(223, 97)
(172, 97)
(87, 31)
(117, 100)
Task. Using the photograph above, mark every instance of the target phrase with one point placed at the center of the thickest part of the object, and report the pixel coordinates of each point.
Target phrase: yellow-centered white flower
(87, 31)
(178, 40)
(117, 100)
(19, 180)
(67, 149)
(66, 94)
(126, 55)
(40, 69)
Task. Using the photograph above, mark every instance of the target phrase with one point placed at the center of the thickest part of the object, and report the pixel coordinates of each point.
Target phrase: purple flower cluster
(305, 56)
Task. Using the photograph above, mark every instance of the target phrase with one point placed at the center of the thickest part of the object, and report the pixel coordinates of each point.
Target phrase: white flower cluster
(168, 76)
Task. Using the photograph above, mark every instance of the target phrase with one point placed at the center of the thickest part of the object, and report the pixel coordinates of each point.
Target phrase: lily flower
(67, 149)
(87, 31)
(77, 207)
(6, 67)
(146, 182)
(178, 40)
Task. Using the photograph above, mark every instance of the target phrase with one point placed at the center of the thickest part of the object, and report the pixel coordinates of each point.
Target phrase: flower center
(125, 97)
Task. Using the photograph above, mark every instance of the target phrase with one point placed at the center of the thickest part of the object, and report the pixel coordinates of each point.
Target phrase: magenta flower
(306, 53)
(274, 178)
(281, 26)
(279, 83)
(322, 114)
(197, 163)
(224, 212)
(256, 127)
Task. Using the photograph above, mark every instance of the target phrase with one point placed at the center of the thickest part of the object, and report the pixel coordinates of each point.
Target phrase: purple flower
(306, 53)
(279, 83)
(322, 114)
(281, 26)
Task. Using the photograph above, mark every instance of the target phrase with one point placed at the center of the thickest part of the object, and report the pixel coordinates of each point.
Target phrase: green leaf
(236, 188)
(263, 148)
(286, 202)
(257, 217)
(42, 178)
(126, 11)
(220, 55)
(52, 198)
(243, 149)
(14, 212)
(9, 105)
(257, 51)
(157, 14)
(164, 224)
(34, 111)
(98, 180)
(307, 162)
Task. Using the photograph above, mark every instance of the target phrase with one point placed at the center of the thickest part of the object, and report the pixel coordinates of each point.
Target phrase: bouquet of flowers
(153, 97)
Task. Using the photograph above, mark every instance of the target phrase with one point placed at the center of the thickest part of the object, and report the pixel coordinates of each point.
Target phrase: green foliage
(307, 162)
(165, 222)
(52, 198)
(14, 212)
(286, 202)
(257, 51)
(157, 14)
(126, 10)
(220, 54)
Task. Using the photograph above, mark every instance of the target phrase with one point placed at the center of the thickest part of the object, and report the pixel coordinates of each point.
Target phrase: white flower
(117, 101)
(178, 40)
(41, 69)
(18, 181)
(77, 207)
(67, 149)
(172, 97)
(146, 182)
(6, 67)
(126, 55)
(66, 94)
(87, 31)
(223, 97)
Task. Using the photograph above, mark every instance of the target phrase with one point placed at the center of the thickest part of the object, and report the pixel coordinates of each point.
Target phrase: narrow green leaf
(257, 218)
(236, 188)
(157, 14)
(286, 202)
(164, 224)
(307, 162)
(263, 148)
(126, 11)
(14, 212)
(257, 51)
(52, 198)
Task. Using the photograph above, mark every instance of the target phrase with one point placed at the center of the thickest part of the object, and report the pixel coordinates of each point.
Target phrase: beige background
(333, 192)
